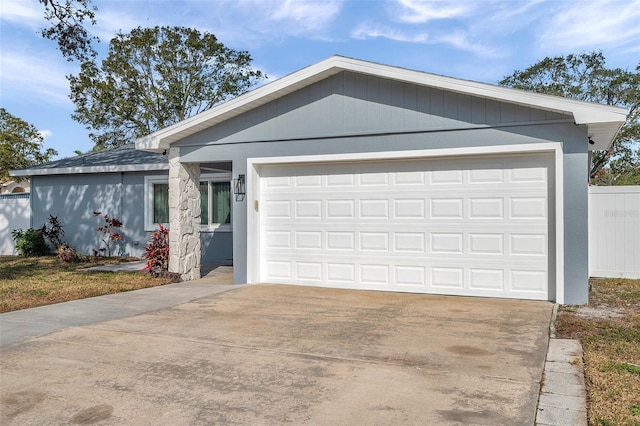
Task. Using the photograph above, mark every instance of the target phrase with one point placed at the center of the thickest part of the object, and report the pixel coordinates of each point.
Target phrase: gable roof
(603, 121)
(124, 158)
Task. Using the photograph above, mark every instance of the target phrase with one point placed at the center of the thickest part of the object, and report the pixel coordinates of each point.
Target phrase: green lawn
(27, 282)
(609, 328)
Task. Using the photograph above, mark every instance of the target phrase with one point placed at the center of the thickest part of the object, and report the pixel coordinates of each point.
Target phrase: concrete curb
(563, 395)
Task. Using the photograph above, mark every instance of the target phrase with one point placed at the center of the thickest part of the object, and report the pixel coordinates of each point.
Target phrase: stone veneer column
(184, 217)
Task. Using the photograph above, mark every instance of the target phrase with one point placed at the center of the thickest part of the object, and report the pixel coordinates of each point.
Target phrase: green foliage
(67, 19)
(153, 78)
(30, 242)
(586, 77)
(20, 145)
(624, 366)
(157, 252)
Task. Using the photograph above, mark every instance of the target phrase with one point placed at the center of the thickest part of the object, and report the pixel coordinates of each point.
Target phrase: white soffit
(603, 121)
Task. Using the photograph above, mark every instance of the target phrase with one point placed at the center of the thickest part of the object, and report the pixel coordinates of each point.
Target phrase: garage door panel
(474, 226)
(454, 280)
(486, 245)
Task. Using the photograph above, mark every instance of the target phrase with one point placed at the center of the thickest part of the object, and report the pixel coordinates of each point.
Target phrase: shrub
(108, 234)
(30, 242)
(67, 254)
(157, 252)
(53, 232)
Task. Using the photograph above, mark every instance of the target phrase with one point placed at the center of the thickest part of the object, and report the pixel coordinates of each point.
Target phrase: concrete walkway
(21, 325)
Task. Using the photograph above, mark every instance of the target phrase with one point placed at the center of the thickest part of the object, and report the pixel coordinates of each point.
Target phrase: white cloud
(243, 22)
(110, 21)
(306, 15)
(457, 39)
(420, 11)
(34, 76)
(462, 41)
(45, 134)
(288, 17)
(593, 25)
(366, 30)
(26, 12)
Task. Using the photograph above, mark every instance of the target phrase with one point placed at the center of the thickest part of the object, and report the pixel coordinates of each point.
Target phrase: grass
(27, 282)
(609, 329)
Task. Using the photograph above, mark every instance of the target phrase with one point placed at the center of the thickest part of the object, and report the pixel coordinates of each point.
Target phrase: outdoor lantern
(238, 185)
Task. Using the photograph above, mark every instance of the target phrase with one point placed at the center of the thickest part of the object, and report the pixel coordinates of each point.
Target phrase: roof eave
(87, 170)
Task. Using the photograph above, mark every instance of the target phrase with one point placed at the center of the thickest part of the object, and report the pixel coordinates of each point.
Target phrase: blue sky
(481, 40)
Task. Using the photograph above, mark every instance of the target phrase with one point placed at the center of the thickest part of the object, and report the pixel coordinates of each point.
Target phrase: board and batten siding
(349, 104)
(614, 231)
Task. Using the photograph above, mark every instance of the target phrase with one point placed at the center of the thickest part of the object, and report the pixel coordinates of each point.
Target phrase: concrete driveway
(271, 354)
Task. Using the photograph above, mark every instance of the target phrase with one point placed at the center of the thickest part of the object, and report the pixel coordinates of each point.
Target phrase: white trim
(603, 120)
(559, 215)
(618, 189)
(87, 170)
(149, 181)
(254, 166)
(150, 226)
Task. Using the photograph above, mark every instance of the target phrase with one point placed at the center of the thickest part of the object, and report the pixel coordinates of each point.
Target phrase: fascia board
(583, 112)
(89, 170)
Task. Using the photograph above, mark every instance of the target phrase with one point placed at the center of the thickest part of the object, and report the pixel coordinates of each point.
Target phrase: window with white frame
(215, 202)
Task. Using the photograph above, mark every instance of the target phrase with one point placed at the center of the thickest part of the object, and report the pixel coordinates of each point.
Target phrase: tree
(585, 77)
(20, 145)
(156, 77)
(67, 21)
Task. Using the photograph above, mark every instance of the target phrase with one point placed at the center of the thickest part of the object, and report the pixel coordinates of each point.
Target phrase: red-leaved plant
(157, 252)
(108, 234)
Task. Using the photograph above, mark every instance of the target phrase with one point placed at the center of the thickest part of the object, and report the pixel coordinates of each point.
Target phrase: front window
(160, 203)
(215, 202)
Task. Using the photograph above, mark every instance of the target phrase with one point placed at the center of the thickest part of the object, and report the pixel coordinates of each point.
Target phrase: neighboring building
(14, 187)
(359, 175)
(130, 185)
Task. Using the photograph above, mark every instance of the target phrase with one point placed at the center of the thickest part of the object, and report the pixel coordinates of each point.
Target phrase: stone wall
(184, 217)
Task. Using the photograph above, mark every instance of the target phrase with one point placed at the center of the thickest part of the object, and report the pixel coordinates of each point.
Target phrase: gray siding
(74, 198)
(353, 104)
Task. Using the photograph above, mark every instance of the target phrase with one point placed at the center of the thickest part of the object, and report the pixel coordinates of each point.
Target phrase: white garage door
(476, 226)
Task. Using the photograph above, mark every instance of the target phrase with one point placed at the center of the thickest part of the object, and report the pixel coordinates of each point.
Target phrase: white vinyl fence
(614, 231)
(15, 213)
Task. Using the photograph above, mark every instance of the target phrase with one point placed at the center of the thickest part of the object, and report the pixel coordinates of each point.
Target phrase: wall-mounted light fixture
(591, 142)
(239, 188)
